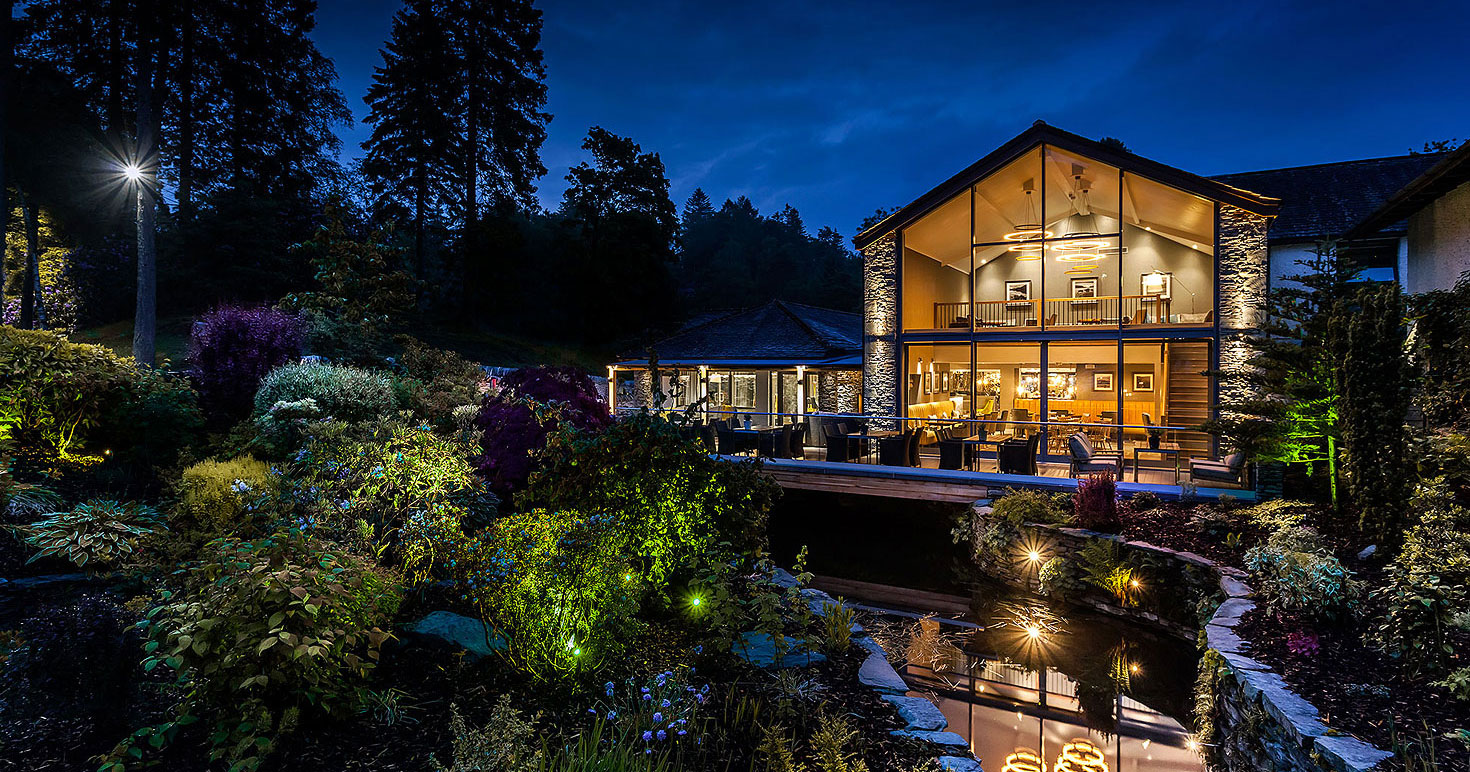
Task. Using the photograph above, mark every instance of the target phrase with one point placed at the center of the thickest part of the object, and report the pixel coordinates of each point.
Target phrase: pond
(1032, 686)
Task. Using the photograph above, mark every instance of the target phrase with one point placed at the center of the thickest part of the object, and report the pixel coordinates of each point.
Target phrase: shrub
(436, 381)
(832, 745)
(504, 744)
(1426, 583)
(1059, 578)
(1144, 501)
(154, 416)
(215, 495)
(1294, 574)
(1028, 506)
(670, 500)
(262, 634)
(97, 533)
(54, 392)
(1275, 515)
(1096, 503)
(409, 487)
(557, 586)
(837, 620)
(231, 349)
(339, 391)
(514, 432)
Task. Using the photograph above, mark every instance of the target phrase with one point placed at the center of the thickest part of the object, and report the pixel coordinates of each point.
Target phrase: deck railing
(1101, 311)
(1132, 444)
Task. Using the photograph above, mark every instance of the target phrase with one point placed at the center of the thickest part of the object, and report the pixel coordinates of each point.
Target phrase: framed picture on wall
(1102, 381)
(1085, 289)
(1018, 291)
(1156, 284)
(1143, 381)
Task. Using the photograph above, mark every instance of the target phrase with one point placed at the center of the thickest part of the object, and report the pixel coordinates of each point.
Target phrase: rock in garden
(462, 631)
(758, 649)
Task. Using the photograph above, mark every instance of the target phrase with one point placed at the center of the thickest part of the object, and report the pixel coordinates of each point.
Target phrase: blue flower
(645, 690)
(683, 732)
(608, 687)
(657, 717)
(612, 714)
(647, 696)
(699, 649)
(662, 735)
(593, 711)
(647, 735)
(666, 703)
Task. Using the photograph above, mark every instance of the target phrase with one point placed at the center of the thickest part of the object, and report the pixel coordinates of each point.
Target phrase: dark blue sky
(839, 108)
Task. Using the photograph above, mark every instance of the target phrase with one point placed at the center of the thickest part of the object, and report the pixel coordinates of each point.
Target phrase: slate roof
(1452, 171)
(1329, 199)
(777, 332)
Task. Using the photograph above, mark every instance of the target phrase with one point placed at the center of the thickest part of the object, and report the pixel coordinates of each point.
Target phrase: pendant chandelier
(1032, 228)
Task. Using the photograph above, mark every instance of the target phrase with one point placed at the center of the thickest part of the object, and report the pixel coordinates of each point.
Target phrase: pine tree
(698, 207)
(502, 93)
(412, 150)
(622, 179)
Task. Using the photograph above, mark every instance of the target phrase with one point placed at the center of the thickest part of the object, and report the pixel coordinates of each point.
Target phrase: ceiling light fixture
(1031, 229)
(1082, 257)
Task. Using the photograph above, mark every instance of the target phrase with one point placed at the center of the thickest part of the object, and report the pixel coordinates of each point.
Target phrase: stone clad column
(880, 327)
(1245, 266)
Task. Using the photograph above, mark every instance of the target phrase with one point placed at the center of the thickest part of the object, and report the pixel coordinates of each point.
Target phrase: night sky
(844, 107)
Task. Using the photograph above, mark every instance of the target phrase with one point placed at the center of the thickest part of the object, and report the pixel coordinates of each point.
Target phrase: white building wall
(1439, 242)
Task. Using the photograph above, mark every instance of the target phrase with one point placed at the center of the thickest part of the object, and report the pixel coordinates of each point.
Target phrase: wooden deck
(944, 484)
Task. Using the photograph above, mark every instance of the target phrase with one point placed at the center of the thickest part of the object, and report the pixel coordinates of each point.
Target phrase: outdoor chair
(953, 452)
(797, 441)
(894, 451)
(1230, 470)
(840, 447)
(776, 444)
(913, 449)
(731, 443)
(1017, 456)
(1086, 459)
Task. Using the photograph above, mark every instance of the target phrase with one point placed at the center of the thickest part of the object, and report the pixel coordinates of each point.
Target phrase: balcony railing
(1102, 311)
(1162, 453)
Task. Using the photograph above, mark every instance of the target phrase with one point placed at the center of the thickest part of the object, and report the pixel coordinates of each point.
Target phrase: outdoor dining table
(977, 441)
(864, 437)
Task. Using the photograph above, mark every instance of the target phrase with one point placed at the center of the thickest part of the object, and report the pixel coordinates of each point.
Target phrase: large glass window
(732, 390)
(1009, 374)
(1168, 267)
(939, 382)
(1058, 239)
(936, 269)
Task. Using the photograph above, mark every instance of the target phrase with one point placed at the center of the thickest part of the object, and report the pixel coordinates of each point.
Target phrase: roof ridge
(827, 341)
(1328, 163)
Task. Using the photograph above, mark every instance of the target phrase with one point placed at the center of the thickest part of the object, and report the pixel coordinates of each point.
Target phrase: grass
(171, 340)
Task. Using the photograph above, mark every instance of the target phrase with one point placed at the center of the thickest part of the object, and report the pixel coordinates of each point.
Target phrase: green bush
(1272, 516)
(401, 488)
(215, 495)
(1426, 586)
(506, 743)
(1293, 573)
(97, 533)
(1028, 506)
(263, 635)
(72, 402)
(670, 501)
(556, 584)
(339, 391)
(54, 392)
(435, 382)
(1059, 578)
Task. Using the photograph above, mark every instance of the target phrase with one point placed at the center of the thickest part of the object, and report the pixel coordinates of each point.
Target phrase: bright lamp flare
(132, 172)
(1081, 756)
(1081, 257)
(1024, 760)
(1027, 233)
(1080, 245)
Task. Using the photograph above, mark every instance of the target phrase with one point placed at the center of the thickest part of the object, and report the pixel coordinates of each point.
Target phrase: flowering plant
(661, 711)
(1303, 644)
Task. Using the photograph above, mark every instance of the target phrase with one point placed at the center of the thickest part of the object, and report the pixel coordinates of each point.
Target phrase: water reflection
(1034, 692)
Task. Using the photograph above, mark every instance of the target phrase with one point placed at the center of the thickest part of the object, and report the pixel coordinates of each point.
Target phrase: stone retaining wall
(1251, 720)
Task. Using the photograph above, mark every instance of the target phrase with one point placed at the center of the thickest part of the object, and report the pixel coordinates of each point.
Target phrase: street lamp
(142, 182)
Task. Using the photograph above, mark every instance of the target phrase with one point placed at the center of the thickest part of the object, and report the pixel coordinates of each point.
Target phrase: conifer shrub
(214, 496)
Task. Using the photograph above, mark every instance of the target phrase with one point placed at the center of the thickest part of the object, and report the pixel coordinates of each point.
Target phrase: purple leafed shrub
(1096, 503)
(513, 433)
(232, 348)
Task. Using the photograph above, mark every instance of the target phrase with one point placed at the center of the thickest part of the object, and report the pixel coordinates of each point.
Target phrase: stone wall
(839, 391)
(880, 327)
(1245, 268)
(1252, 719)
